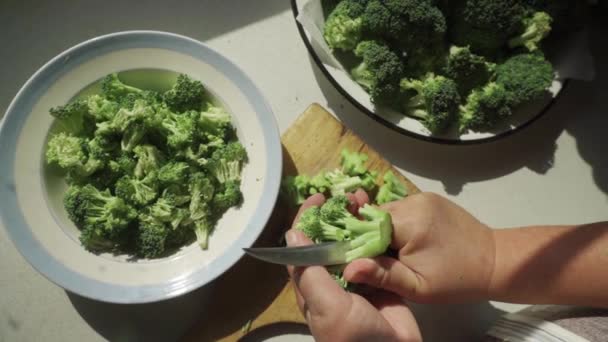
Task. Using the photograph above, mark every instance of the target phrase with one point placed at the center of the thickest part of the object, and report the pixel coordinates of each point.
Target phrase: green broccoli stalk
(186, 94)
(525, 76)
(433, 100)
(484, 108)
(202, 191)
(343, 26)
(536, 28)
(72, 117)
(113, 88)
(368, 237)
(468, 70)
(379, 71)
(149, 159)
(391, 190)
(203, 228)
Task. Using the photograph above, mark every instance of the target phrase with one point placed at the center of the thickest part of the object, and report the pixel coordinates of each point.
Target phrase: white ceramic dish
(31, 208)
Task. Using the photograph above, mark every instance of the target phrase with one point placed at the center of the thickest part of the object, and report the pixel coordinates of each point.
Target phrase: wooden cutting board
(253, 294)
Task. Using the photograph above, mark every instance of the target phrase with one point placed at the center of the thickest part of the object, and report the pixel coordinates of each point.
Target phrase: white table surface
(554, 172)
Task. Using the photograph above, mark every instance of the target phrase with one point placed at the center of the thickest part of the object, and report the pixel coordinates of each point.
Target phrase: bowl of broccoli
(156, 160)
(455, 72)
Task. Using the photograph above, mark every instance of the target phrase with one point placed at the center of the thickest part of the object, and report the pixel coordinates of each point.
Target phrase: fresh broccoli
(133, 135)
(173, 173)
(66, 151)
(149, 159)
(137, 191)
(114, 89)
(486, 25)
(344, 25)
(179, 129)
(151, 236)
(125, 117)
(468, 70)
(186, 94)
(391, 190)
(567, 15)
(296, 188)
(215, 120)
(536, 28)
(317, 184)
(353, 163)
(368, 238)
(484, 108)
(228, 195)
(379, 71)
(525, 76)
(177, 193)
(202, 229)
(227, 162)
(201, 189)
(342, 183)
(73, 117)
(101, 108)
(433, 100)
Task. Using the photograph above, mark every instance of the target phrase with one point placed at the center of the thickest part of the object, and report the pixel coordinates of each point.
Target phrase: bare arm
(552, 264)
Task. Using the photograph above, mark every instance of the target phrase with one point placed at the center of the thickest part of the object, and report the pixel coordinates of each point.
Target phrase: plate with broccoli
(156, 160)
(456, 72)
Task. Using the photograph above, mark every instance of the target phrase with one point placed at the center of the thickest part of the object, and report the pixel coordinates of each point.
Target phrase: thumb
(384, 273)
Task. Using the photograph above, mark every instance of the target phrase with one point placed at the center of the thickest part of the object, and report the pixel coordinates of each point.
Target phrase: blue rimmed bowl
(31, 197)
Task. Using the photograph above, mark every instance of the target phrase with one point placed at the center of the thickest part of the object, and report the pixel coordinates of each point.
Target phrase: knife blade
(328, 253)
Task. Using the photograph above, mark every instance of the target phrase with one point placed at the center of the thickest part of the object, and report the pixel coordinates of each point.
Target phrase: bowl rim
(20, 232)
(401, 130)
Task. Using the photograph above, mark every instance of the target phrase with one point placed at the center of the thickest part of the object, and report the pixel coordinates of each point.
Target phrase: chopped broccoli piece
(66, 151)
(202, 191)
(391, 190)
(149, 159)
(186, 94)
(73, 117)
(173, 173)
(101, 108)
(433, 100)
(536, 28)
(228, 195)
(342, 183)
(151, 236)
(114, 89)
(227, 162)
(137, 191)
(203, 228)
(468, 70)
(296, 188)
(179, 129)
(317, 184)
(353, 163)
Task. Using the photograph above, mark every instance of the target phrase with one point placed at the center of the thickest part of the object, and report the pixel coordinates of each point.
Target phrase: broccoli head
(525, 76)
(484, 108)
(179, 129)
(379, 71)
(66, 151)
(353, 163)
(467, 69)
(114, 89)
(433, 100)
(343, 26)
(227, 162)
(186, 94)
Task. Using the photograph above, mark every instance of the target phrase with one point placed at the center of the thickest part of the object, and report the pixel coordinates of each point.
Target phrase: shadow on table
(579, 111)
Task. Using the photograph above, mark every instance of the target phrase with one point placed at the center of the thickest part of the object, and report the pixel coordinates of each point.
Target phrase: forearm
(552, 265)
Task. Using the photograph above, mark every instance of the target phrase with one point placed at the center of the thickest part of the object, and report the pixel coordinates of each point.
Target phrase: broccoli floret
(149, 159)
(342, 183)
(484, 108)
(536, 28)
(369, 237)
(215, 120)
(133, 135)
(179, 129)
(202, 229)
(186, 94)
(468, 70)
(433, 100)
(201, 190)
(296, 188)
(353, 163)
(151, 236)
(226, 196)
(567, 15)
(125, 117)
(317, 184)
(227, 162)
(173, 173)
(343, 26)
(525, 76)
(379, 71)
(391, 190)
(177, 193)
(113, 88)
(95, 240)
(66, 151)
(486, 25)
(368, 181)
(137, 191)
(101, 108)
(73, 117)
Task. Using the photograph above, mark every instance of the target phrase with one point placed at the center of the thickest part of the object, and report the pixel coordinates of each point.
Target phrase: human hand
(445, 254)
(336, 315)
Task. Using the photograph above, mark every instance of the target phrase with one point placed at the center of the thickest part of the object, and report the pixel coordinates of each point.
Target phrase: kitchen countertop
(554, 172)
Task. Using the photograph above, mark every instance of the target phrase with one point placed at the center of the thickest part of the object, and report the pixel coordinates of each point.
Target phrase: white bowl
(31, 208)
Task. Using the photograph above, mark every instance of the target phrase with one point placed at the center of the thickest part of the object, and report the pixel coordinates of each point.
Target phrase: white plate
(310, 24)
(31, 207)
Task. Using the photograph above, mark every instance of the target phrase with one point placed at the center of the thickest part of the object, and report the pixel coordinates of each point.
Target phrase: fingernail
(291, 237)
